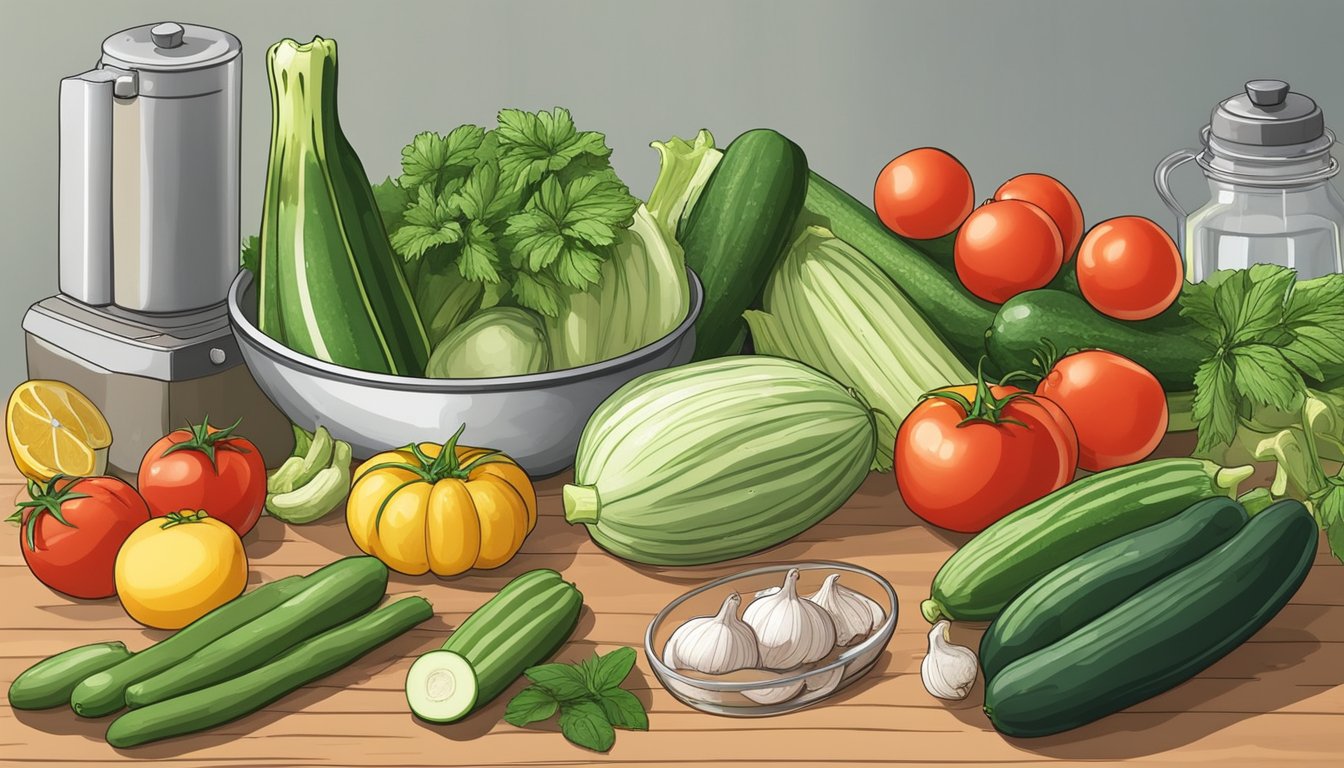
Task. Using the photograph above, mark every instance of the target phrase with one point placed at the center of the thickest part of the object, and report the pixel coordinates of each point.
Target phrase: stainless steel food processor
(149, 241)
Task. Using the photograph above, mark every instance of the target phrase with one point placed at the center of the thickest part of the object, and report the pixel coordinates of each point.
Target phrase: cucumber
(333, 594)
(527, 621)
(958, 317)
(104, 692)
(1007, 557)
(1100, 579)
(314, 658)
(739, 227)
(1163, 635)
(1167, 345)
(48, 683)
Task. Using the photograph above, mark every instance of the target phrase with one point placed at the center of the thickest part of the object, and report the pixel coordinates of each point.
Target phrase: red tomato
(205, 468)
(1116, 406)
(75, 552)
(923, 194)
(1054, 198)
(1129, 268)
(963, 473)
(1005, 248)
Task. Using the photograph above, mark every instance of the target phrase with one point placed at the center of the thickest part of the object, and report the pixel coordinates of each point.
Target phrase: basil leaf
(585, 724)
(532, 705)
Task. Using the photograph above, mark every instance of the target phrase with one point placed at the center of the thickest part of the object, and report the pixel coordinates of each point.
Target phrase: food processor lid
(170, 46)
(1268, 114)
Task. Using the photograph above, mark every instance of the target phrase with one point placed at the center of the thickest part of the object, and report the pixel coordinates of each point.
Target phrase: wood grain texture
(1278, 700)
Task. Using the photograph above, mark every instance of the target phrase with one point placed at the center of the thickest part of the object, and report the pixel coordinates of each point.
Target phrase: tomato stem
(985, 406)
(183, 517)
(48, 501)
(207, 440)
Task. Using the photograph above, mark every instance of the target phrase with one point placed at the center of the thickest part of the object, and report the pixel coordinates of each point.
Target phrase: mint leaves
(587, 696)
(532, 206)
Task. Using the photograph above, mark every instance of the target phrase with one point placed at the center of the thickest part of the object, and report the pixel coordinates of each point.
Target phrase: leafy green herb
(532, 205)
(588, 697)
(1278, 346)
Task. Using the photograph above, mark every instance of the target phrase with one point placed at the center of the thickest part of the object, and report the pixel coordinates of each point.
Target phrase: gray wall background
(1094, 92)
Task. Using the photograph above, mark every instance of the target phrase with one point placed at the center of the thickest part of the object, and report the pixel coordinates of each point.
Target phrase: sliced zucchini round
(441, 687)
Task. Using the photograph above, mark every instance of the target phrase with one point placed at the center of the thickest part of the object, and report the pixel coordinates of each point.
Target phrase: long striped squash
(718, 459)
(330, 286)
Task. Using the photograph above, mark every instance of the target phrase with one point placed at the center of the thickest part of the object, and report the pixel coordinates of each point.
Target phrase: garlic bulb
(854, 614)
(790, 630)
(948, 670)
(774, 695)
(714, 645)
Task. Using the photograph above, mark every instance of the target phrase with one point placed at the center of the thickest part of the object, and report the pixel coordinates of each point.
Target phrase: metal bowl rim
(313, 366)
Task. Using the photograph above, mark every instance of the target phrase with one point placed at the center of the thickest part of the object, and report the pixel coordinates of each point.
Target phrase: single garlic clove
(790, 631)
(823, 683)
(714, 645)
(853, 613)
(948, 671)
(777, 694)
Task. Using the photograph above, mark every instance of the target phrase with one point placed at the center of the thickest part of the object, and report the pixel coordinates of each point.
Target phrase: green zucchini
(521, 626)
(718, 459)
(229, 700)
(104, 692)
(1100, 579)
(739, 227)
(959, 318)
(330, 285)
(48, 683)
(332, 595)
(1163, 635)
(1007, 557)
(1167, 345)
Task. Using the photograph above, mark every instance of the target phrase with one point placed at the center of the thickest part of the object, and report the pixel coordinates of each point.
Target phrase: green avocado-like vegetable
(500, 341)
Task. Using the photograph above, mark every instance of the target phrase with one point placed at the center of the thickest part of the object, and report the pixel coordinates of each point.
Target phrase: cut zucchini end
(582, 504)
(441, 687)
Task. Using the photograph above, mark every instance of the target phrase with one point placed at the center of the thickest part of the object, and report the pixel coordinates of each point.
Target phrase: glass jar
(1266, 158)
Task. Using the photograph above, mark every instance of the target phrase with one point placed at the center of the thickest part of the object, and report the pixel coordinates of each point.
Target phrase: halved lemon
(54, 429)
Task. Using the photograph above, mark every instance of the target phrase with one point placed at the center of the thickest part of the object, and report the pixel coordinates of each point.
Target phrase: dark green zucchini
(959, 318)
(740, 226)
(1166, 345)
(1098, 580)
(1162, 636)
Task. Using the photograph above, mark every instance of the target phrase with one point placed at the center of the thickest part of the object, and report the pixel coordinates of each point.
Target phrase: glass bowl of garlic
(773, 639)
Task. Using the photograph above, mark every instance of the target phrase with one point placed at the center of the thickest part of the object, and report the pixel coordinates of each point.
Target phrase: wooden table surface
(1278, 700)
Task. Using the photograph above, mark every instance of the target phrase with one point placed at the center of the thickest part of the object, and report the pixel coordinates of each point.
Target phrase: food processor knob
(166, 35)
(1267, 93)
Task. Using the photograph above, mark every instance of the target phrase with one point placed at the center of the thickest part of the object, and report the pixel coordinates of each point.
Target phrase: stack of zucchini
(231, 662)
(1118, 587)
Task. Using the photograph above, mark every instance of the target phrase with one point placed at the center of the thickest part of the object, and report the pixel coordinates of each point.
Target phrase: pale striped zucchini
(718, 459)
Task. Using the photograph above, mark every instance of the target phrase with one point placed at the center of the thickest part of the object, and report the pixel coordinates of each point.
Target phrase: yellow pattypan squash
(445, 509)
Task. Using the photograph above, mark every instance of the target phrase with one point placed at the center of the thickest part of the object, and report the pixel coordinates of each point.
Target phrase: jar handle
(1161, 180)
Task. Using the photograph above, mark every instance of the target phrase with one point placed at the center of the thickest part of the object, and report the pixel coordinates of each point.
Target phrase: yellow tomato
(175, 569)
(445, 509)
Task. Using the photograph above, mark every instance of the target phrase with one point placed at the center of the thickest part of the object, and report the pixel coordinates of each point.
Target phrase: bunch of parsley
(588, 696)
(531, 208)
(1273, 382)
